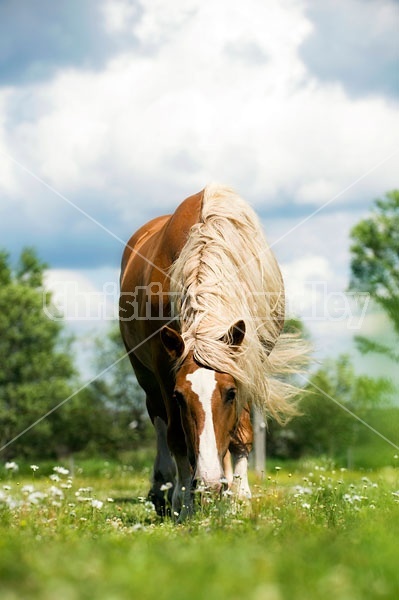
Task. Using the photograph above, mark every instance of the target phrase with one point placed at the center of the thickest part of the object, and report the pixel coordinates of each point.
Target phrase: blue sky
(122, 109)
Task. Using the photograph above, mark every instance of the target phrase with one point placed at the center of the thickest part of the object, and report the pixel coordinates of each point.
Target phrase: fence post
(259, 443)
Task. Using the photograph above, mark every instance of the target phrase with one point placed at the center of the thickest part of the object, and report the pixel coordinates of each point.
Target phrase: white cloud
(80, 299)
(119, 15)
(222, 95)
(88, 301)
(7, 171)
(306, 280)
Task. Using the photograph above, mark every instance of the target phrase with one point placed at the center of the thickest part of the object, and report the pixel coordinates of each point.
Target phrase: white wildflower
(115, 523)
(34, 468)
(166, 486)
(301, 490)
(97, 504)
(11, 466)
(35, 497)
(56, 492)
(61, 470)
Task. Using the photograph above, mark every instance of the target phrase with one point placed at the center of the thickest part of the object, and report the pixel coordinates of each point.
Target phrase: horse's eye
(178, 396)
(231, 395)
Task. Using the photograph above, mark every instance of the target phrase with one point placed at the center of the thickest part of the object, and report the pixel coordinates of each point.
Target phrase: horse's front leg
(240, 448)
(164, 473)
(182, 502)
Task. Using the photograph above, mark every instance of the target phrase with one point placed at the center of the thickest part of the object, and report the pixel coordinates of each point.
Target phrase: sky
(113, 111)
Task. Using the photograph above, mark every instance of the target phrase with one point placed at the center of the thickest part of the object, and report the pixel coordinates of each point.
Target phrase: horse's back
(140, 238)
(147, 259)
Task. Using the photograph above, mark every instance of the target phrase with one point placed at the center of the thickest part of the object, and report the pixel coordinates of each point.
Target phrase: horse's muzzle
(211, 487)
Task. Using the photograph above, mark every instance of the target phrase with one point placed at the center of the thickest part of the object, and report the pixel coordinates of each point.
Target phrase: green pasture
(311, 531)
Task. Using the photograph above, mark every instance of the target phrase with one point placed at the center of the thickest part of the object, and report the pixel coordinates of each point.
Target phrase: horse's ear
(173, 342)
(235, 335)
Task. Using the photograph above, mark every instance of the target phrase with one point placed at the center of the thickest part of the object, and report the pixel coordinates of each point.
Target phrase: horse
(202, 309)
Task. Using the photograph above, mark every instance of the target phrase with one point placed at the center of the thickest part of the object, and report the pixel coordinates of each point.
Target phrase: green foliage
(294, 325)
(108, 417)
(326, 426)
(37, 375)
(120, 395)
(120, 381)
(5, 270)
(35, 364)
(29, 269)
(375, 263)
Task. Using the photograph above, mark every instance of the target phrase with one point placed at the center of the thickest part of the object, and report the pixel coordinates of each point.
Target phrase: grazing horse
(201, 313)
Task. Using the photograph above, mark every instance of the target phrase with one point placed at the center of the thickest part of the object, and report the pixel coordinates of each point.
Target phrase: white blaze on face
(203, 383)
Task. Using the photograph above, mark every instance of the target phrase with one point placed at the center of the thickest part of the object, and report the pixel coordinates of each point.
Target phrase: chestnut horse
(201, 312)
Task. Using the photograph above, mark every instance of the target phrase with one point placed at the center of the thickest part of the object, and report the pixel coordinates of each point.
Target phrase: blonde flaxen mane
(226, 272)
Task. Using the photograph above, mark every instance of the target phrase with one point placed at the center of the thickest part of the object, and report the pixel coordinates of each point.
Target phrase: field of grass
(311, 531)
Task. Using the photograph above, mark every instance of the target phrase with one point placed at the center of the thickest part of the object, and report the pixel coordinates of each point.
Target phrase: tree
(120, 394)
(274, 438)
(375, 264)
(325, 427)
(35, 362)
(108, 416)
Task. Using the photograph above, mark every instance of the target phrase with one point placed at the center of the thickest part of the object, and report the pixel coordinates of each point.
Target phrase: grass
(311, 532)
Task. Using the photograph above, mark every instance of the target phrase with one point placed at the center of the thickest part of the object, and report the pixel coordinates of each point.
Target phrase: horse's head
(207, 400)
